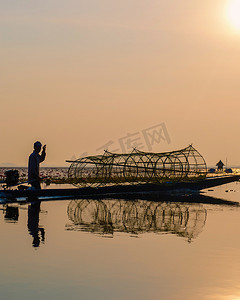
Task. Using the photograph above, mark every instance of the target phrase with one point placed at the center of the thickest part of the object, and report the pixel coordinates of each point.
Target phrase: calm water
(118, 249)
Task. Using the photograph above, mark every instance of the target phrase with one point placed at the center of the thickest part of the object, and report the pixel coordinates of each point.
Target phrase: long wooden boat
(177, 188)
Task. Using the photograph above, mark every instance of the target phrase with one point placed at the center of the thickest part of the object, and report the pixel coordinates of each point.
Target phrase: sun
(233, 13)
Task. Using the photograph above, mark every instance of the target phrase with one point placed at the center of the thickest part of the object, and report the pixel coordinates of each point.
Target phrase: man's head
(37, 146)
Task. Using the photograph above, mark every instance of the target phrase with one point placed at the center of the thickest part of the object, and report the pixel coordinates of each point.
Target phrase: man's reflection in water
(35, 231)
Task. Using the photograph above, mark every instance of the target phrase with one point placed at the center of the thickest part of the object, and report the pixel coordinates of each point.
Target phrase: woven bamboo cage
(138, 167)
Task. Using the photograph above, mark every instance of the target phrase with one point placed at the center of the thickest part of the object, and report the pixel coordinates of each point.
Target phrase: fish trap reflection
(106, 217)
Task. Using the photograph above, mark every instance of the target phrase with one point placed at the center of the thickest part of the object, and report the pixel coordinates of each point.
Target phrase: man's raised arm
(43, 154)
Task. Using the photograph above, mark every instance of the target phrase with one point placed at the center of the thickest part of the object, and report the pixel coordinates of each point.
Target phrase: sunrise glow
(233, 13)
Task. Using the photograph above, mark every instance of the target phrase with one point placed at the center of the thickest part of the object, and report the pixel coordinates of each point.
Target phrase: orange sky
(78, 74)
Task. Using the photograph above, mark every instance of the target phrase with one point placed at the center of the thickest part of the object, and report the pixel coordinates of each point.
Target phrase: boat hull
(127, 190)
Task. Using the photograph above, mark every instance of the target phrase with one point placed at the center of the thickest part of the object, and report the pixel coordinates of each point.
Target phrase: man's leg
(36, 185)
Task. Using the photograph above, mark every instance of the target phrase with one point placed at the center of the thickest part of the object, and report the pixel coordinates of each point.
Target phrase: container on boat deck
(12, 177)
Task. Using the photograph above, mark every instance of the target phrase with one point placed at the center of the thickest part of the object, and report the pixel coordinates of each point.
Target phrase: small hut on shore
(220, 165)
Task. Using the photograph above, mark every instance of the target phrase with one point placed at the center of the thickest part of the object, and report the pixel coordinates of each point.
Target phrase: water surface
(121, 249)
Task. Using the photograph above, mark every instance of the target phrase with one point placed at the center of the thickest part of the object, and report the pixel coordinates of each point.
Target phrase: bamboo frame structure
(138, 167)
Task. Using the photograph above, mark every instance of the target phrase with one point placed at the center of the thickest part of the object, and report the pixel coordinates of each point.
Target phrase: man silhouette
(33, 165)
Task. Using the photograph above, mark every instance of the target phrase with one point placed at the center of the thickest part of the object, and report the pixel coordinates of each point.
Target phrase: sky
(78, 75)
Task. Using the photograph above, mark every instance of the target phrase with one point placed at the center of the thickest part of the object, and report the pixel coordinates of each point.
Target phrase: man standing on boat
(33, 165)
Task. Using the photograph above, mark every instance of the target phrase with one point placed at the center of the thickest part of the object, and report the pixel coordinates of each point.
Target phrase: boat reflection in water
(11, 214)
(106, 217)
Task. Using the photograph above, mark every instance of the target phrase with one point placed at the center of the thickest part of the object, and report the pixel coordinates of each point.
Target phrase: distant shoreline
(25, 167)
(66, 167)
